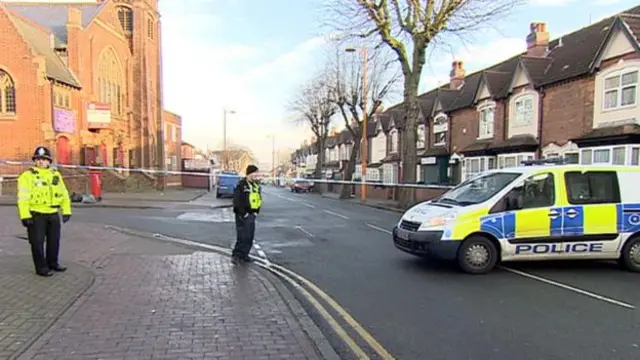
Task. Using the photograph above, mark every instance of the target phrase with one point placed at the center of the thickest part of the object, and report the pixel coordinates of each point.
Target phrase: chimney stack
(456, 76)
(537, 40)
(74, 16)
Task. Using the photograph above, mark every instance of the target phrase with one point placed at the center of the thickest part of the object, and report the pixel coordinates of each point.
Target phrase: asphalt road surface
(421, 309)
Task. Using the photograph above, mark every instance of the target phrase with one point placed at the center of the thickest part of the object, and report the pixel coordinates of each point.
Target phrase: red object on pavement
(95, 179)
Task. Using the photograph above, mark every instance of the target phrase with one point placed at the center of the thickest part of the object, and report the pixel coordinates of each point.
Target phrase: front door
(63, 150)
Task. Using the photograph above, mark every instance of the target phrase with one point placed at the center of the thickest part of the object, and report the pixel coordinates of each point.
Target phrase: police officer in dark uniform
(247, 201)
(42, 195)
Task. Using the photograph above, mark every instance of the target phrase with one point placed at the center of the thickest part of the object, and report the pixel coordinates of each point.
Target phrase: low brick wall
(391, 192)
(78, 181)
(376, 192)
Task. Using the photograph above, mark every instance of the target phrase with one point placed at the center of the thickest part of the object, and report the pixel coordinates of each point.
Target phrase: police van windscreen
(478, 189)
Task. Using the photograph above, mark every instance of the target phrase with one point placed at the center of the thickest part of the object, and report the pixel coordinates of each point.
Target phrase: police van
(538, 211)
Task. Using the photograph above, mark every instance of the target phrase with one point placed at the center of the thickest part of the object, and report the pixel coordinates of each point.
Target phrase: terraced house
(83, 80)
(575, 96)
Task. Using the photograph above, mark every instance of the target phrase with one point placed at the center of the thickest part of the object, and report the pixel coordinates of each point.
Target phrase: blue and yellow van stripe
(573, 220)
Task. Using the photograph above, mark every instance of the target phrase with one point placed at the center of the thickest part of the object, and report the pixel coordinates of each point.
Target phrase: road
(420, 309)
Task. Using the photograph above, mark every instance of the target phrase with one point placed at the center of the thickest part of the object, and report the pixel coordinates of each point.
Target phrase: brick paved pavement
(149, 300)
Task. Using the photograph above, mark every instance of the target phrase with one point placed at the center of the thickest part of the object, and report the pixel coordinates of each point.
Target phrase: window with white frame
(387, 173)
(420, 137)
(611, 155)
(374, 174)
(485, 121)
(523, 110)
(477, 164)
(620, 90)
(569, 152)
(512, 160)
(440, 128)
(419, 174)
(394, 140)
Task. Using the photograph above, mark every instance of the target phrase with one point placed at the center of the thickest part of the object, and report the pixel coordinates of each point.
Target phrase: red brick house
(83, 80)
(575, 96)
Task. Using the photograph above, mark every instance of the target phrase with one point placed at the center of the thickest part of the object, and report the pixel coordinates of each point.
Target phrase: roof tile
(54, 16)
(40, 41)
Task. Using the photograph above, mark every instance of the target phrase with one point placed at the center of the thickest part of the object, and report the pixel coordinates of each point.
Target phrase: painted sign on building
(98, 115)
(64, 121)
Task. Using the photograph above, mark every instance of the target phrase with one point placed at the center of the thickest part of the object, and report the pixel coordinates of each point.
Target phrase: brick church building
(84, 80)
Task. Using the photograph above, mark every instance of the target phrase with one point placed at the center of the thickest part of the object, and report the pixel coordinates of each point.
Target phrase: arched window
(111, 85)
(7, 94)
(125, 15)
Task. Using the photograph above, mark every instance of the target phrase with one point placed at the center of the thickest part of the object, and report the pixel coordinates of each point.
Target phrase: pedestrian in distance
(42, 195)
(247, 200)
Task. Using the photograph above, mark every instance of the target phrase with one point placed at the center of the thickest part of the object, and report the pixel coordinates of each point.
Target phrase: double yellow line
(289, 276)
(301, 284)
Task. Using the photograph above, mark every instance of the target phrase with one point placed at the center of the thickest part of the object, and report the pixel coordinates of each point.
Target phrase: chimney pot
(537, 40)
(456, 76)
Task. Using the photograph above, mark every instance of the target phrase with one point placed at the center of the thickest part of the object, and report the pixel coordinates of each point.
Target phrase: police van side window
(535, 192)
(592, 187)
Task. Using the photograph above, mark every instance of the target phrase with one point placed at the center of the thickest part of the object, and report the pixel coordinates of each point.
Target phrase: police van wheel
(477, 255)
(630, 257)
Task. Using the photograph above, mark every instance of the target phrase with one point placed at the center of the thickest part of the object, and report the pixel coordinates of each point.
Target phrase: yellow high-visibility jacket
(42, 190)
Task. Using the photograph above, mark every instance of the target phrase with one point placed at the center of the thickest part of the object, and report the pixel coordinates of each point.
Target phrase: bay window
(388, 175)
(513, 160)
(523, 110)
(420, 137)
(477, 165)
(440, 128)
(611, 155)
(620, 90)
(394, 140)
(485, 121)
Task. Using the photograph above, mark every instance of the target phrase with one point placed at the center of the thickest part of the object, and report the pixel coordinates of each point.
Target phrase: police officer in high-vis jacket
(247, 201)
(42, 195)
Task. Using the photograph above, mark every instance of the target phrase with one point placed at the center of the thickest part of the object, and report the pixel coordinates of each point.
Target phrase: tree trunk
(347, 190)
(406, 195)
(320, 163)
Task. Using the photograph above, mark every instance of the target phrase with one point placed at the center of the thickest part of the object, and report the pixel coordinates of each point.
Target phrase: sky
(251, 56)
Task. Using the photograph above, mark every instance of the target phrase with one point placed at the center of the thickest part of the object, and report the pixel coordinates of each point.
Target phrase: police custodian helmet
(42, 153)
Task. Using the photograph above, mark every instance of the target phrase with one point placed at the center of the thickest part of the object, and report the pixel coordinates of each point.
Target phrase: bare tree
(408, 27)
(350, 87)
(313, 107)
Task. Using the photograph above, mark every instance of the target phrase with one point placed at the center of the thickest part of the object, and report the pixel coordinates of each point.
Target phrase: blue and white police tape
(222, 174)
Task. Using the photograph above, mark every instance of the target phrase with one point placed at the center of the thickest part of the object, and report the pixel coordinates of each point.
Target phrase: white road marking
(305, 231)
(280, 196)
(336, 214)
(261, 253)
(308, 205)
(379, 229)
(570, 288)
(216, 216)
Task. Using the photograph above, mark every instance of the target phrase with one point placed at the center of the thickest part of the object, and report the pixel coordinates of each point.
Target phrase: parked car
(301, 185)
(226, 184)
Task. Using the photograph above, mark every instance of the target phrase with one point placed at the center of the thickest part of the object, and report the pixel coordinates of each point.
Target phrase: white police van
(542, 212)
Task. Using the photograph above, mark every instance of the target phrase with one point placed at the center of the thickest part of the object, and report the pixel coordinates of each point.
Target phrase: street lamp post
(364, 150)
(225, 160)
(273, 157)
